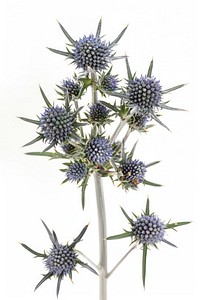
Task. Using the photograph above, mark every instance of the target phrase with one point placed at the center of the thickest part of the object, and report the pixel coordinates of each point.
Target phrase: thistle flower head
(70, 88)
(138, 121)
(148, 229)
(67, 148)
(76, 171)
(133, 172)
(56, 124)
(91, 51)
(144, 93)
(98, 113)
(98, 150)
(61, 260)
(110, 83)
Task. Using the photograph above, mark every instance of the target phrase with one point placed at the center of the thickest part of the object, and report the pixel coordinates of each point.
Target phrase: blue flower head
(56, 124)
(133, 172)
(76, 171)
(70, 88)
(98, 150)
(90, 51)
(61, 260)
(110, 83)
(67, 148)
(144, 93)
(148, 229)
(98, 113)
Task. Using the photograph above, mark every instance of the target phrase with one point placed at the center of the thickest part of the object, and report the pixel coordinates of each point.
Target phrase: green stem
(102, 237)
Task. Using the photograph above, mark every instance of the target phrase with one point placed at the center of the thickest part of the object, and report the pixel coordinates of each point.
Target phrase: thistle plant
(77, 135)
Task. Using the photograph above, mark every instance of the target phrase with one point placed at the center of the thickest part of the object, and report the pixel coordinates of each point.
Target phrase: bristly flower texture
(133, 171)
(61, 260)
(148, 230)
(70, 88)
(90, 51)
(110, 83)
(56, 124)
(98, 113)
(98, 150)
(76, 171)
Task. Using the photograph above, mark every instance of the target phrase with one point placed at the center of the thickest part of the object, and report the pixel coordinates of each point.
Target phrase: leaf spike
(45, 98)
(99, 28)
(67, 34)
(147, 210)
(149, 73)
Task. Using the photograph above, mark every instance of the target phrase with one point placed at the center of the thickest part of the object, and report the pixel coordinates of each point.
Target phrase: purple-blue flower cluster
(91, 51)
(110, 83)
(148, 229)
(70, 88)
(98, 150)
(76, 171)
(133, 171)
(61, 260)
(144, 93)
(98, 113)
(56, 124)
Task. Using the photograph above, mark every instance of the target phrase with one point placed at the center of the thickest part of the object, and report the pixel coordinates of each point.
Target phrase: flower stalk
(102, 237)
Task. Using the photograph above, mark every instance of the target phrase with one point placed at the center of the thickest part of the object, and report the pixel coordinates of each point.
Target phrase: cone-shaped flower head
(70, 88)
(98, 113)
(56, 124)
(144, 93)
(148, 229)
(91, 51)
(133, 171)
(61, 260)
(76, 171)
(110, 82)
(98, 150)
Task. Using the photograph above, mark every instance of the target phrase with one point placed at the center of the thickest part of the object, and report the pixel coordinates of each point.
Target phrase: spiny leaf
(147, 210)
(40, 137)
(37, 122)
(169, 243)
(120, 236)
(144, 263)
(126, 215)
(152, 164)
(118, 37)
(45, 98)
(108, 105)
(151, 183)
(159, 122)
(60, 277)
(33, 251)
(149, 73)
(47, 276)
(173, 88)
(171, 108)
(58, 51)
(130, 76)
(67, 34)
(83, 186)
(99, 29)
(51, 236)
(130, 156)
(78, 238)
(84, 265)
(172, 225)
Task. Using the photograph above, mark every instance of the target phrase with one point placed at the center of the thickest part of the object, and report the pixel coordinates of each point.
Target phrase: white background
(166, 30)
